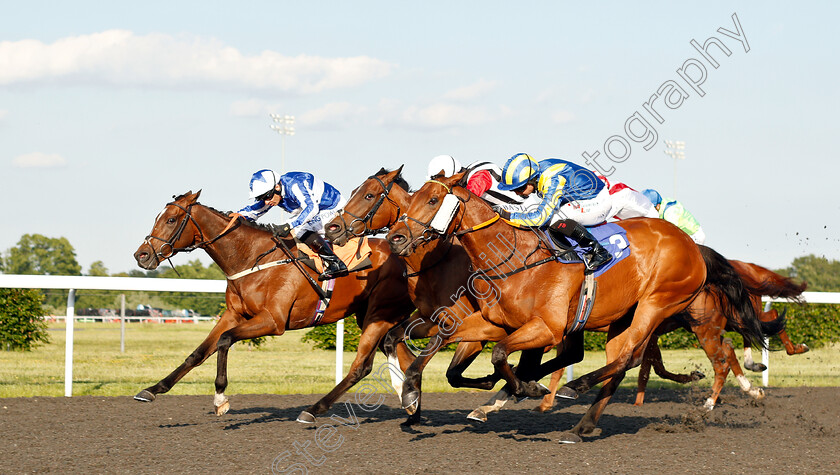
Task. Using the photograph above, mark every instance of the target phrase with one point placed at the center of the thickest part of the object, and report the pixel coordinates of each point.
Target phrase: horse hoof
(800, 348)
(477, 415)
(144, 396)
(412, 420)
(543, 408)
(531, 389)
(757, 393)
(305, 418)
(569, 438)
(223, 409)
(697, 375)
(409, 402)
(567, 393)
(756, 367)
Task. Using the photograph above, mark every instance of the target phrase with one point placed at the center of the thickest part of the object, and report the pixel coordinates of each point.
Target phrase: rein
(364, 220)
(181, 227)
(486, 224)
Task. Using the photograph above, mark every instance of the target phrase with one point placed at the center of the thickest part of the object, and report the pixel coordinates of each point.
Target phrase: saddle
(355, 255)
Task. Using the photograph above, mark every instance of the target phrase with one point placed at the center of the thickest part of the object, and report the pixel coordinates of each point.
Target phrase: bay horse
(771, 284)
(660, 277)
(707, 318)
(437, 275)
(276, 298)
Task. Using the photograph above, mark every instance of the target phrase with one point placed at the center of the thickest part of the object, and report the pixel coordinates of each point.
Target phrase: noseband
(197, 243)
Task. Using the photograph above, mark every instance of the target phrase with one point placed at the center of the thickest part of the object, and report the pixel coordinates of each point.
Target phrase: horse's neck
(491, 245)
(236, 250)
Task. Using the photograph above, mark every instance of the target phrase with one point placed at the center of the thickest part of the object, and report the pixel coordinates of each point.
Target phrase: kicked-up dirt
(792, 430)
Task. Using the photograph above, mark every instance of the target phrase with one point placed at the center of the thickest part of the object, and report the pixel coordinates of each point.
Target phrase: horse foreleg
(589, 421)
(644, 369)
(361, 367)
(465, 354)
(548, 400)
(535, 334)
(260, 325)
(743, 382)
(204, 351)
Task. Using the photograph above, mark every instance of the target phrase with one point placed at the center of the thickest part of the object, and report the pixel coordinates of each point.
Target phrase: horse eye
(369, 196)
(170, 221)
(433, 201)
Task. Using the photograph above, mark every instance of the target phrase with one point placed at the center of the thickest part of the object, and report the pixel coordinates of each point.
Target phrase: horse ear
(399, 170)
(459, 179)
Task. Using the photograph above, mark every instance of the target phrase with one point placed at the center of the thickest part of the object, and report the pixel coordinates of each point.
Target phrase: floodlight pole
(283, 125)
(675, 150)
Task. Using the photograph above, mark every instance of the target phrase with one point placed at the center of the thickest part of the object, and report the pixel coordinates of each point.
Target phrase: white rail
(73, 283)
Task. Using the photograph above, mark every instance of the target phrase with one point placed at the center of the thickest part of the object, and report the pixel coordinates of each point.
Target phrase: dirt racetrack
(793, 430)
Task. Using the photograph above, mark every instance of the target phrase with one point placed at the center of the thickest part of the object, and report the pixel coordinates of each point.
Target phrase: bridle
(199, 242)
(386, 190)
(430, 233)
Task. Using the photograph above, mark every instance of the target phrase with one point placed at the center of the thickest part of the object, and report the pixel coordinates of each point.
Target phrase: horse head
(370, 209)
(435, 210)
(170, 232)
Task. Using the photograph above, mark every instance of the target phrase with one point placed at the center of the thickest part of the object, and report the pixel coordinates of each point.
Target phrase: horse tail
(763, 281)
(725, 283)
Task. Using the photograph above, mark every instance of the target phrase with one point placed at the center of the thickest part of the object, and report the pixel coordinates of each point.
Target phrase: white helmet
(262, 182)
(449, 165)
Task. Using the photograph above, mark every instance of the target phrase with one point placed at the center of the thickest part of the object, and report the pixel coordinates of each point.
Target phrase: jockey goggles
(267, 195)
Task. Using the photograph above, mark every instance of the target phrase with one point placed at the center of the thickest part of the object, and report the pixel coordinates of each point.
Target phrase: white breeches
(317, 223)
(587, 212)
(627, 203)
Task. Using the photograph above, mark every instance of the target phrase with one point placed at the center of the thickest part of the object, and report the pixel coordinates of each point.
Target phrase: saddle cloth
(354, 254)
(614, 239)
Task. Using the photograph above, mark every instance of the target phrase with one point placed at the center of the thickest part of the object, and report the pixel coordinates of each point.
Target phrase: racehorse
(437, 275)
(275, 297)
(769, 283)
(662, 274)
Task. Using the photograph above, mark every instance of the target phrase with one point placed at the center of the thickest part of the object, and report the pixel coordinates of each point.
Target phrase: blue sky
(107, 109)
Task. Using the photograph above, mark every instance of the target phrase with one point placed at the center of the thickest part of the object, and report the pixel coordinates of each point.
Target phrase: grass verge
(285, 365)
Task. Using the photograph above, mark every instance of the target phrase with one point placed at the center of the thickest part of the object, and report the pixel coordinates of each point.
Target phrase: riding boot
(596, 256)
(333, 266)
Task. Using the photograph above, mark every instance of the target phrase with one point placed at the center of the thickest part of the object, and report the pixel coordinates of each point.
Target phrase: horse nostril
(332, 227)
(398, 238)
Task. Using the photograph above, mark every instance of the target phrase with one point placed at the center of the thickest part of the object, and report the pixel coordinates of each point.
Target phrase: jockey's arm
(254, 210)
(308, 209)
(541, 214)
(480, 182)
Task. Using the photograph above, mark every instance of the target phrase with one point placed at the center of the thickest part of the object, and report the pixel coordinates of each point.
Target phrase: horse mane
(399, 180)
(226, 215)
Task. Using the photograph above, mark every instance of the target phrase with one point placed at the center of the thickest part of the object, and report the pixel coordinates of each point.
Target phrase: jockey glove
(281, 230)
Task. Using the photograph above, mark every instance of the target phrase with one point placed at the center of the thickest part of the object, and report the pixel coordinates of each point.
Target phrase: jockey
(482, 180)
(674, 212)
(571, 197)
(311, 203)
(628, 203)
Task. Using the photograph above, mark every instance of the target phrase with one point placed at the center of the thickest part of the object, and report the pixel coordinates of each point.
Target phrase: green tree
(822, 275)
(204, 304)
(22, 326)
(98, 269)
(97, 298)
(36, 254)
(41, 255)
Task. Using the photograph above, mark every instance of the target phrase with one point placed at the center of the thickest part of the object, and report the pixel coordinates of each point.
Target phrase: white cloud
(445, 115)
(119, 57)
(39, 160)
(472, 91)
(332, 114)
